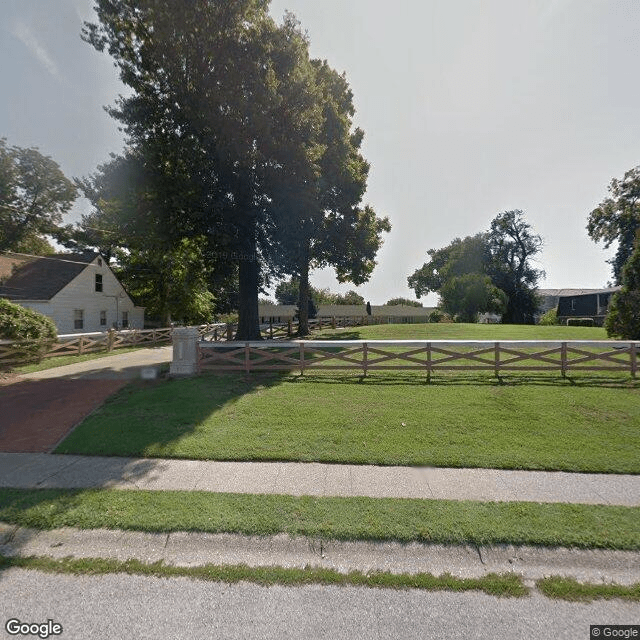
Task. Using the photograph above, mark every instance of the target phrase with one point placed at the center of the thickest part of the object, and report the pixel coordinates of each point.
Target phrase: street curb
(191, 549)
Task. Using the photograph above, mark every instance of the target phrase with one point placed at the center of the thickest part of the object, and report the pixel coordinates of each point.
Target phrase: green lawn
(540, 423)
(462, 331)
(404, 520)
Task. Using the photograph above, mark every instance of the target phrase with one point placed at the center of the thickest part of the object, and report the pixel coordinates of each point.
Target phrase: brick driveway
(36, 414)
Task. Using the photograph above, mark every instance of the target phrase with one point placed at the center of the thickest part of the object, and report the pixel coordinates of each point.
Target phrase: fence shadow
(448, 379)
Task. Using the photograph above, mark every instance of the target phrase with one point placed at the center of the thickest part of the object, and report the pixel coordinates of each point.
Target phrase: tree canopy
(250, 143)
(287, 292)
(488, 272)
(512, 246)
(617, 219)
(34, 195)
(623, 316)
(403, 301)
(224, 109)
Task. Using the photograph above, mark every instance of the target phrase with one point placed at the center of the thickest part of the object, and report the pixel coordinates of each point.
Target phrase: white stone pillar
(185, 351)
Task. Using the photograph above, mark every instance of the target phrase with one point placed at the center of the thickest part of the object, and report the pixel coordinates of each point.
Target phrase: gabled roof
(574, 292)
(40, 278)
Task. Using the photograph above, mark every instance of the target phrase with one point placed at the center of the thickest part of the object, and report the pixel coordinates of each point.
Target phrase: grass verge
(574, 591)
(545, 423)
(381, 519)
(61, 361)
(507, 585)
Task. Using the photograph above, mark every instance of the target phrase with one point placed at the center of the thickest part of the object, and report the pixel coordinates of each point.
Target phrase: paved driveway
(37, 410)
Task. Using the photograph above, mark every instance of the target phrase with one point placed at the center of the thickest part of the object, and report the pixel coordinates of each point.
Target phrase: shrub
(623, 317)
(435, 316)
(32, 333)
(549, 318)
(580, 322)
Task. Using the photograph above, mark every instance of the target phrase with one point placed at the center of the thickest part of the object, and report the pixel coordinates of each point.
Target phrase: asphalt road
(118, 606)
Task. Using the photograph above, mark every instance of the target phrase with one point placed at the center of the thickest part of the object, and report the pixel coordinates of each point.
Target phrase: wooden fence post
(333, 322)
(301, 358)
(289, 332)
(364, 358)
(81, 345)
(563, 359)
(634, 359)
(111, 337)
(271, 328)
(429, 366)
(247, 358)
(229, 331)
(496, 366)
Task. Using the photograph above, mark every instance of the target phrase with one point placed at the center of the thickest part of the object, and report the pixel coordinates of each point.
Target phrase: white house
(79, 292)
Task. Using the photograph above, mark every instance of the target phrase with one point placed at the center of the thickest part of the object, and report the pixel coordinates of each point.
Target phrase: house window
(99, 262)
(98, 282)
(573, 304)
(125, 319)
(103, 318)
(78, 318)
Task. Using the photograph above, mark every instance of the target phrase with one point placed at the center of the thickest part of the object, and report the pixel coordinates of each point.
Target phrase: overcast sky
(469, 107)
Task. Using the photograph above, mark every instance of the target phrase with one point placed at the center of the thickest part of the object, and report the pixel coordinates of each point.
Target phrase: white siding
(80, 293)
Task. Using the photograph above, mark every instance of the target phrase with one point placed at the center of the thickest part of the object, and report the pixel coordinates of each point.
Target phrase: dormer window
(98, 282)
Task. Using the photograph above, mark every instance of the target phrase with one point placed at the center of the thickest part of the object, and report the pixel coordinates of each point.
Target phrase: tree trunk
(303, 298)
(248, 280)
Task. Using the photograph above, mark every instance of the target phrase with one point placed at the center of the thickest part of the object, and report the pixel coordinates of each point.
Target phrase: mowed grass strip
(542, 423)
(403, 520)
(504, 585)
(574, 591)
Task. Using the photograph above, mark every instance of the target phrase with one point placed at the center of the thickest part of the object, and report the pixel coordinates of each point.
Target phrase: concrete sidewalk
(122, 366)
(26, 470)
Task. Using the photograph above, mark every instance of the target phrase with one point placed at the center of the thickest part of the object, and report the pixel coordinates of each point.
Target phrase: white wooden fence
(81, 343)
(421, 355)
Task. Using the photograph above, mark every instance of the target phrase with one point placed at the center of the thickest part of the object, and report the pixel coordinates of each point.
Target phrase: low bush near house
(32, 333)
(550, 318)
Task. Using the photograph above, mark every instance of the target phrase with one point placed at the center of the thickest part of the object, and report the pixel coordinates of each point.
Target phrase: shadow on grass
(446, 379)
(145, 418)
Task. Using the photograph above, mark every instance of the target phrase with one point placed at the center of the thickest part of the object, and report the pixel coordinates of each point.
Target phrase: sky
(469, 108)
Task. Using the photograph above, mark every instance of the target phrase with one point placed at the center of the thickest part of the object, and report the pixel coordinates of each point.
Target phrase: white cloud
(26, 36)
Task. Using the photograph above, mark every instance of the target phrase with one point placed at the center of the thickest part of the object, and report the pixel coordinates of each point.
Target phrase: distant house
(584, 303)
(79, 292)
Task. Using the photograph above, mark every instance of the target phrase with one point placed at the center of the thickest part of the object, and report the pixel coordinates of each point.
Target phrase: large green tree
(332, 228)
(170, 275)
(223, 105)
(490, 271)
(623, 316)
(34, 196)
(458, 274)
(512, 247)
(617, 219)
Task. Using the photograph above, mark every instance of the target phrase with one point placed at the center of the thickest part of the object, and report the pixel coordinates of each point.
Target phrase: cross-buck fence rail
(79, 344)
(82, 343)
(421, 355)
